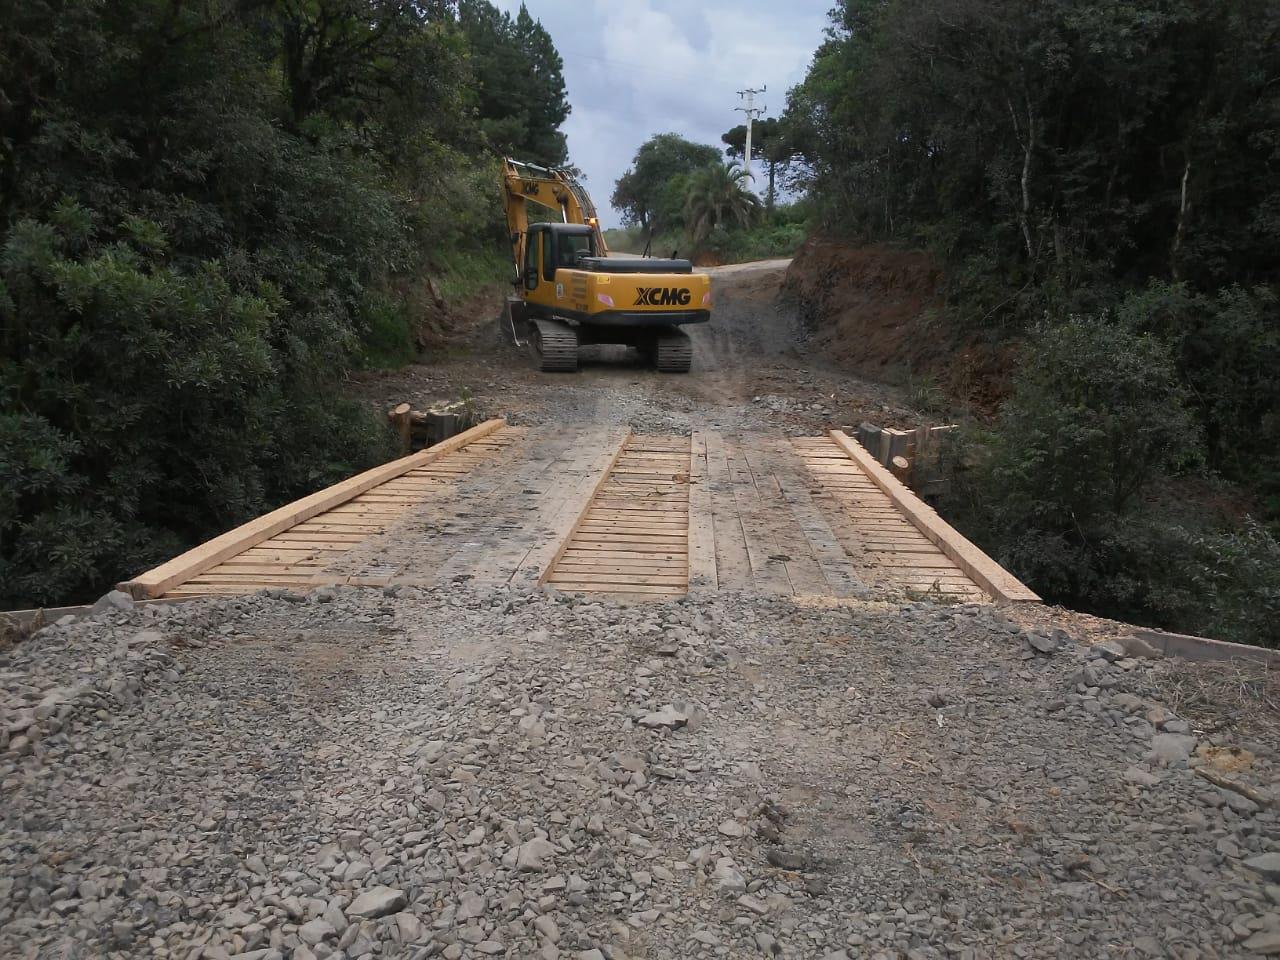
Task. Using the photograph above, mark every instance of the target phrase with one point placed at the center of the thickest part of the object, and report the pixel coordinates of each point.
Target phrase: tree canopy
(205, 209)
(519, 82)
(771, 143)
(652, 191)
(1076, 159)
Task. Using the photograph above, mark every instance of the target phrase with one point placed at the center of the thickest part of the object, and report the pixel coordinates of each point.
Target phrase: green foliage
(1075, 139)
(387, 338)
(1064, 490)
(208, 213)
(718, 197)
(1080, 157)
(771, 143)
(519, 79)
(650, 193)
(463, 274)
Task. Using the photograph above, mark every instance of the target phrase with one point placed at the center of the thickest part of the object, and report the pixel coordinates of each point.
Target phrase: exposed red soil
(880, 311)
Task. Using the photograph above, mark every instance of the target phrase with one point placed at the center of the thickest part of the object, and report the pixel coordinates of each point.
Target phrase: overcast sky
(639, 67)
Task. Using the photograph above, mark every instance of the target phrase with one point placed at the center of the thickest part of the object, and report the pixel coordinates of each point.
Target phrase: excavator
(571, 292)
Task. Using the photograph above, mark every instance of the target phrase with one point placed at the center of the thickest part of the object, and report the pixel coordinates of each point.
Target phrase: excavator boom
(556, 190)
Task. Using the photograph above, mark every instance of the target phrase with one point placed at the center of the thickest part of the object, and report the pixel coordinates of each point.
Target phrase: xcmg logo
(662, 297)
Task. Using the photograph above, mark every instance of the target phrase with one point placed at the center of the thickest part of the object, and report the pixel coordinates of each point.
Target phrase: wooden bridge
(603, 511)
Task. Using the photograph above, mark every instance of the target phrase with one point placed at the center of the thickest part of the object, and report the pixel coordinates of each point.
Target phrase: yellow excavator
(571, 292)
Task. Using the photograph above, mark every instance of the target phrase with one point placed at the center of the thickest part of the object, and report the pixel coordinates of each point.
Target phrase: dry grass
(1237, 694)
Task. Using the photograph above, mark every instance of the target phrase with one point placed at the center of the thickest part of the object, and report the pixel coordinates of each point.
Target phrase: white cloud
(634, 68)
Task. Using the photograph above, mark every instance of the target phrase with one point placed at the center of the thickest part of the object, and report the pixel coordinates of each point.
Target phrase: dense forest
(1101, 183)
(208, 213)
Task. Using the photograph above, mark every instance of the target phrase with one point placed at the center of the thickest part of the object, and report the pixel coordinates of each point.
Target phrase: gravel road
(460, 773)
(751, 371)
(455, 774)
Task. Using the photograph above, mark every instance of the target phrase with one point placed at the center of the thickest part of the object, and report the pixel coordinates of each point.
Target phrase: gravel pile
(461, 774)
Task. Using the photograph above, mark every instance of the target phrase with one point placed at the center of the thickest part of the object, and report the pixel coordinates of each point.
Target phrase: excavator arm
(525, 183)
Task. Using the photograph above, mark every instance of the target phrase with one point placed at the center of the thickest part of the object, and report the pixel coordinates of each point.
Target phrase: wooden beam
(984, 571)
(157, 582)
(565, 538)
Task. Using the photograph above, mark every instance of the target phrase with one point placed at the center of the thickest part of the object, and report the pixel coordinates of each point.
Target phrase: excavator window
(531, 259)
(563, 250)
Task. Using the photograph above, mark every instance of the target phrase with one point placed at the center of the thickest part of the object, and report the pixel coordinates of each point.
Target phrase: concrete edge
(1203, 649)
(24, 618)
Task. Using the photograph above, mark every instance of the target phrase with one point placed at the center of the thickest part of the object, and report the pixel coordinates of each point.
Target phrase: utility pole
(752, 111)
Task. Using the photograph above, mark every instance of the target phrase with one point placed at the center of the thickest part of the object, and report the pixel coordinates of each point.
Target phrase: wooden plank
(578, 586)
(569, 510)
(630, 579)
(702, 544)
(606, 555)
(733, 566)
(155, 582)
(981, 568)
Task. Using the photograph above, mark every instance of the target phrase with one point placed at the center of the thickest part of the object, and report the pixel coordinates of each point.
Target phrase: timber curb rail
(154, 583)
(609, 513)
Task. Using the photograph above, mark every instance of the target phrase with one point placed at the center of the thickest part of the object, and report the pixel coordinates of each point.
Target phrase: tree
(770, 143)
(718, 195)
(205, 212)
(519, 78)
(643, 195)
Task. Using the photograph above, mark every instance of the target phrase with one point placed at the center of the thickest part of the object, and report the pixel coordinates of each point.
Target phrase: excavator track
(674, 352)
(555, 344)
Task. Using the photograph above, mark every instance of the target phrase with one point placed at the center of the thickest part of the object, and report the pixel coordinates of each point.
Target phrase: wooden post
(893, 443)
(900, 467)
(869, 437)
(399, 417)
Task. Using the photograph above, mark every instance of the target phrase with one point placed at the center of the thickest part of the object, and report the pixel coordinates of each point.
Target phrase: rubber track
(675, 352)
(557, 346)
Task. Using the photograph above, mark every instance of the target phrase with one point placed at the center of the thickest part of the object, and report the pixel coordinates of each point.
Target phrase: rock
(491, 947)
(115, 600)
(533, 854)
(1109, 650)
(785, 859)
(546, 928)
(669, 717)
(1040, 642)
(471, 905)
(409, 927)
(732, 828)
(377, 902)
(1141, 777)
(1266, 943)
(1267, 864)
(315, 931)
(1139, 648)
(728, 880)
(1172, 749)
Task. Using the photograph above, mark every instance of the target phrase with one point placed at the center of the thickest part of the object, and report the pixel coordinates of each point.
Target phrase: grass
(463, 274)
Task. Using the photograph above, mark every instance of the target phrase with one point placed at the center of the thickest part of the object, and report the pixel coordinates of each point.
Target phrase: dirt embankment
(881, 312)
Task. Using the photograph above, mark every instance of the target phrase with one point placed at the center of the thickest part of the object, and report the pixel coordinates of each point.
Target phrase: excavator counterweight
(570, 291)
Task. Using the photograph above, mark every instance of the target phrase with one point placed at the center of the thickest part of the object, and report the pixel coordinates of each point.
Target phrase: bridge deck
(599, 511)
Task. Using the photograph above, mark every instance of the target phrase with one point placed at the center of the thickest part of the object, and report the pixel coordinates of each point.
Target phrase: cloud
(634, 68)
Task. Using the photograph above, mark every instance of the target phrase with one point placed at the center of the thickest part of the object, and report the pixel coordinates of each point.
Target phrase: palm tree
(718, 195)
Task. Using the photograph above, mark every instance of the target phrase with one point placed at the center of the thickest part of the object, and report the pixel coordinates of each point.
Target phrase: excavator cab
(553, 246)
